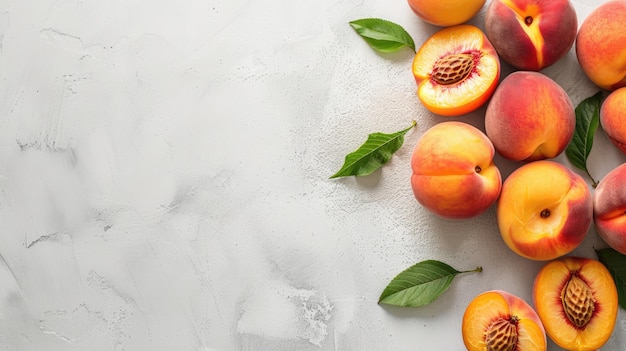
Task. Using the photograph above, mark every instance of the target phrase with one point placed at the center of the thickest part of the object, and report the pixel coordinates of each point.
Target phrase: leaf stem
(477, 270)
(594, 183)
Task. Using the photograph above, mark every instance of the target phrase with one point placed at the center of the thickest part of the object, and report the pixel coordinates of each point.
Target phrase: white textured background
(164, 180)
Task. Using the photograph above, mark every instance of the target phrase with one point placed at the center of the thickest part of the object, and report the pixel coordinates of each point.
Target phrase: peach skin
(453, 171)
(609, 209)
(601, 45)
(576, 299)
(544, 210)
(445, 13)
(456, 70)
(498, 320)
(612, 117)
(530, 117)
(531, 34)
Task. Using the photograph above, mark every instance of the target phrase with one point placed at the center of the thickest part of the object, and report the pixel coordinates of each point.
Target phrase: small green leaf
(615, 262)
(587, 121)
(375, 152)
(420, 284)
(382, 35)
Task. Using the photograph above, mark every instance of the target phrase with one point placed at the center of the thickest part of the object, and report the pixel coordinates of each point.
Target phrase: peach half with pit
(609, 209)
(456, 70)
(454, 175)
(446, 13)
(530, 117)
(613, 116)
(531, 34)
(576, 299)
(498, 320)
(544, 210)
(601, 45)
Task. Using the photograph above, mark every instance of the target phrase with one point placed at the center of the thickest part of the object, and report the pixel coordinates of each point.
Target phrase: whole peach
(453, 171)
(446, 13)
(609, 208)
(613, 116)
(531, 34)
(529, 117)
(601, 45)
(544, 210)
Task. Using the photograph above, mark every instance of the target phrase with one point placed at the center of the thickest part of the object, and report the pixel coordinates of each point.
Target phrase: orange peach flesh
(610, 209)
(498, 306)
(547, 290)
(474, 89)
(544, 210)
(601, 45)
(455, 177)
(531, 126)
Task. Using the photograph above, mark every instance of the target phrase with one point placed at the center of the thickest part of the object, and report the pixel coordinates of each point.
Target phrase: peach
(609, 209)
(601, 45)
(544, 210)
(456, 70)
(613, 116)
(446, 13)
(453, 171)
(530, 117)
(531, 34)
(498, 320)
(576, 299)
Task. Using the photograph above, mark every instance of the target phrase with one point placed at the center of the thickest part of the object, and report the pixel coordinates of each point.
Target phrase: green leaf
(587, 121)
(420, 284)
(382, 35)
(615, 262)
(375, 152)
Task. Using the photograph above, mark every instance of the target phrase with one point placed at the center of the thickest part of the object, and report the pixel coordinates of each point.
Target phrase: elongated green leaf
(374, 153)
(382, 35)
(420, 284)
(615, 262)
(587, 121)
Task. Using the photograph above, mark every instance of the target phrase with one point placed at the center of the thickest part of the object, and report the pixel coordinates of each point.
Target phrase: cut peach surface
(576, 300)
(456, 70)
(498, 320)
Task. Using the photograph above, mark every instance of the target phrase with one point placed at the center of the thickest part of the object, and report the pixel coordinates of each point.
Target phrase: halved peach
(576, 299)
(456, 70)
(498, 320)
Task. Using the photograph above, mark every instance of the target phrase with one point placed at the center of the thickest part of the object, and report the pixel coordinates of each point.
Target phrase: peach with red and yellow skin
(544, 210)
(499, 317)
(612, 116)
(576, 299)
(456, 70)
(601, 45)
(453, 171)
(609, 208)
(446, 13)
(530, 117)
(531, 34)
